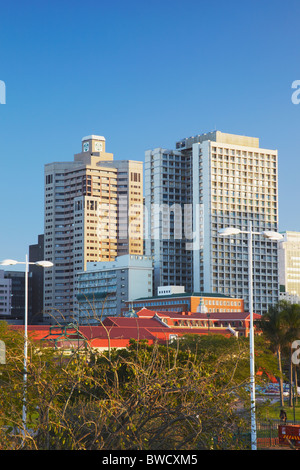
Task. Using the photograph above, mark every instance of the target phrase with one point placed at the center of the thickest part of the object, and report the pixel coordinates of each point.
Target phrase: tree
(291, 319)
(165, 398)
(142, 397)
(11, 386)
(281, 326)
(273, 327)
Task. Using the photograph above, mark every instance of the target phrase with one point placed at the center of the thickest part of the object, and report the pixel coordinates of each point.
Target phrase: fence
(267, 436)
(267, 433)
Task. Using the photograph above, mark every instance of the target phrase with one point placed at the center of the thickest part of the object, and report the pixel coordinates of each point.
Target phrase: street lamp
(229, 231)
(43, 264)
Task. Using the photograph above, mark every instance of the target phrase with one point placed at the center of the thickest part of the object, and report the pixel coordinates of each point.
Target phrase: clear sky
(143, 74)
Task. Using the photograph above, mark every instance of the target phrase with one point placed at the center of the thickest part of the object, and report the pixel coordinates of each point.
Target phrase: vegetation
(192, 394)
(271, 411)
(281, 327)
(182, 396)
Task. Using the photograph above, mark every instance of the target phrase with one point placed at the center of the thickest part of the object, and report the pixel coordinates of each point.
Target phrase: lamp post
(43, 264)
(229, 231)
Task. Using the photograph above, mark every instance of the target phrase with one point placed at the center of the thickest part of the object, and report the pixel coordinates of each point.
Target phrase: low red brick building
(162, 327)
(237, 321)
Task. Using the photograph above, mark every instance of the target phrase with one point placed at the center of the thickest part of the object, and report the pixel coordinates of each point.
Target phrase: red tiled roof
(148, 325)
(36, 332)
(117, 333)
(145, 312)
(130, 322)
(201, 316)
(230, 315)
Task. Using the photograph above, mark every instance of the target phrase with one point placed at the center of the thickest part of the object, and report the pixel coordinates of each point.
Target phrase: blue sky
(144, 74)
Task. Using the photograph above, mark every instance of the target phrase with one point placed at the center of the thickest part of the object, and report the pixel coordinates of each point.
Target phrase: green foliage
(181, 396)
(280, 327)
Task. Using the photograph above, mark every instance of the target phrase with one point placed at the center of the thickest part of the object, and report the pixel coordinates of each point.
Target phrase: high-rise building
(82, 219)
(36, 253)
(289, 265)
(5, 295)
(213, 180)
(17, 279)
(129, 206)
(168, 199)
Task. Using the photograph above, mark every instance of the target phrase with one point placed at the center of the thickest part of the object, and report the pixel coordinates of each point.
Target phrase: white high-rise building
(289, 266)
(220, 180)
(168, 197)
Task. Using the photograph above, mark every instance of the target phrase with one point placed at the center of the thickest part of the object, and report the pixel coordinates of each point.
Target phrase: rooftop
(221, 137)
(226, 316)
(150, 325)
(93, 137)
(187, 294)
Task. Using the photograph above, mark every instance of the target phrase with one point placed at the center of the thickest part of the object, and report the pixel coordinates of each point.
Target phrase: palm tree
(273, 327)
(291, 319)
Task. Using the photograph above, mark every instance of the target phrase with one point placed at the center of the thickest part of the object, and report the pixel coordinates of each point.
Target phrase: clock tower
(93, 144)
(93, 151)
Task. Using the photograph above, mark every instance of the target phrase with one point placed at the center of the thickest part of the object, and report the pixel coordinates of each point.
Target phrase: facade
(224, 180)
(169, 290)
(5, 295)
(168, 196)
(105, 286)
(130, 206)
(292, 298)
(36, 253)
(187, 302)
(289, 266)
(236, 322)
(82, 220)
(17, 282)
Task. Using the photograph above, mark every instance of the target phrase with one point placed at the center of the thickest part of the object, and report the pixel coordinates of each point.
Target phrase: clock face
(86, 146)
(98, 146)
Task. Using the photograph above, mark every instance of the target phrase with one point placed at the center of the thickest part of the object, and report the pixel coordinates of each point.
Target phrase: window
(49, 179)
(136, 177)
